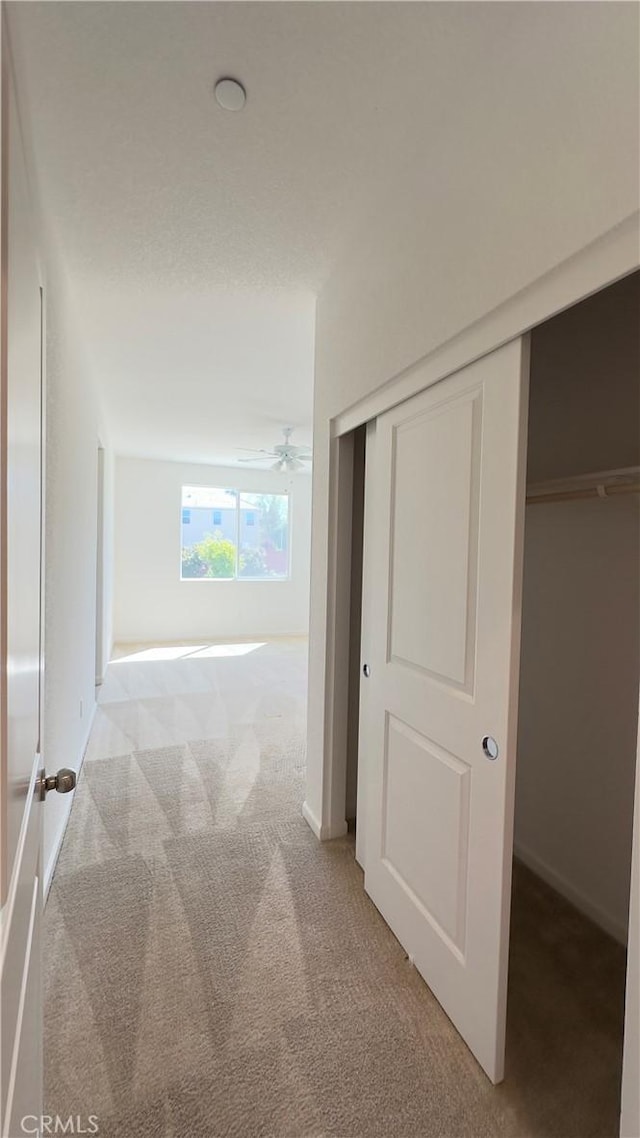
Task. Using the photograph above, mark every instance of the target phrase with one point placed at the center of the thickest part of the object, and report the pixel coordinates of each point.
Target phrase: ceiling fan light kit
(288, 457)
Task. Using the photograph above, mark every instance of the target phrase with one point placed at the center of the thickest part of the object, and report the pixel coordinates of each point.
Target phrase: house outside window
(234, 535)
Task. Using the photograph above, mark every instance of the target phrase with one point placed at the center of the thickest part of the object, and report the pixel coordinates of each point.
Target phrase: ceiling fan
(287, 455)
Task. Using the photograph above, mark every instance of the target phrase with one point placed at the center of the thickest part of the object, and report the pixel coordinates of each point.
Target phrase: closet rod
(600, 491)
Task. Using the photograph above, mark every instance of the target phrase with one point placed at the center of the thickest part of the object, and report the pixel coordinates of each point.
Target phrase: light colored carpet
(213, 970)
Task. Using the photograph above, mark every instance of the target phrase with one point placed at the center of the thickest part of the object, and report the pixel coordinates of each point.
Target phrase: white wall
(74, 428)
(584, 408)
(579, 702)
(152, 603)
(563, 173)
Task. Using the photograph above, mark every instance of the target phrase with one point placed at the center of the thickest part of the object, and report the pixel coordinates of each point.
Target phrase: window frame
(237, 492)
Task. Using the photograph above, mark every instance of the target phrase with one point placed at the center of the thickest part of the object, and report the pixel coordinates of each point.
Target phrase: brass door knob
(63, 782)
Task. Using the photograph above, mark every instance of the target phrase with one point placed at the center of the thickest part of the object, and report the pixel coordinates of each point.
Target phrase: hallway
(213, 970)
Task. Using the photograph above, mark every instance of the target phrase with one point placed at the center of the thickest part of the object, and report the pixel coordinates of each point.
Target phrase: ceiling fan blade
(254, 450)
(279, 465)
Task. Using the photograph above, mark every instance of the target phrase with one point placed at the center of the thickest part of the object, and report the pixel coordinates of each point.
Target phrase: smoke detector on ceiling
(230, 94)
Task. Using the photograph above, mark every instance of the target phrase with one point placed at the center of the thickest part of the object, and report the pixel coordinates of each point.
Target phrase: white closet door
(441, 707)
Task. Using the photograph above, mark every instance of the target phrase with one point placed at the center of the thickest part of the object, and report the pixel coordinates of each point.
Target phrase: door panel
(21, 965)
(23, 489)
(426, 852)
(21, 641)
(434, 568)
(444, 547)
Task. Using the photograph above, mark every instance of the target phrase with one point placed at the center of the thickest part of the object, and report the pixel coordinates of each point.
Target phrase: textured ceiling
(196, 240)
(150, 182)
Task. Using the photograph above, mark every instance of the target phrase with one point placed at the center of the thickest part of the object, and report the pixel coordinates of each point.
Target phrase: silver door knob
(63, 782)
(366, 670)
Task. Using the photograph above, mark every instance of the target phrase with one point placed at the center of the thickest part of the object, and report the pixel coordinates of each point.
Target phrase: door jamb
(100, 565)
(336, 706)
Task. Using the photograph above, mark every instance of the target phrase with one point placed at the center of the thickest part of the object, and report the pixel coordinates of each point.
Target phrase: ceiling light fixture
(230, 94)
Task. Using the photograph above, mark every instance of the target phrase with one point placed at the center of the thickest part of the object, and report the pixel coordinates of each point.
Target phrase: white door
(20, 645)
(441, 705)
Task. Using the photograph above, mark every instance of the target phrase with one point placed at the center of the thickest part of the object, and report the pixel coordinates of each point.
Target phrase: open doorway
(355, 622)
(578, 706)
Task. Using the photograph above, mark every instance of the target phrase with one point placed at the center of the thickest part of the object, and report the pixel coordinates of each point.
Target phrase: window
(233, 534)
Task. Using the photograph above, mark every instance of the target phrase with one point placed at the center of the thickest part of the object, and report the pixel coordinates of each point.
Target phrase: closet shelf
(601, 484)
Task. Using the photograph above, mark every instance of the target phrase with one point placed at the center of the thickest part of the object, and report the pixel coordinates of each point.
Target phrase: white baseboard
(590, 909)
(323, 833)
(311, 819)
(50, 867)
(128, 641)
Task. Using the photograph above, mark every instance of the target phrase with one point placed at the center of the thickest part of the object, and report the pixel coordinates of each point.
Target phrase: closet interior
(578, 708)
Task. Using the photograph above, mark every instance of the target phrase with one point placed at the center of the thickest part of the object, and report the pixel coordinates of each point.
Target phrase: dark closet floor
(565, 1017)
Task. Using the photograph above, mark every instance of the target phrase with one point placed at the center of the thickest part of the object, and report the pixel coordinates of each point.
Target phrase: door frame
(630, 1097)
(100, 566)
(21, 888)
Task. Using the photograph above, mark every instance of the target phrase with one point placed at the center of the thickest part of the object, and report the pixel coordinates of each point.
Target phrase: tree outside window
(249, 539)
